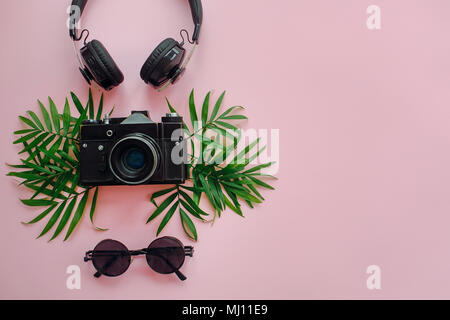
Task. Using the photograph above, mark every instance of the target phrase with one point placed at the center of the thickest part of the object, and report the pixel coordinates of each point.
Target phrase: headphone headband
(81, 4)
(196, 10)
(197, 17)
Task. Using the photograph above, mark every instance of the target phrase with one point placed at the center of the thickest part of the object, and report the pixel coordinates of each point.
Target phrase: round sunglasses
(164, 255)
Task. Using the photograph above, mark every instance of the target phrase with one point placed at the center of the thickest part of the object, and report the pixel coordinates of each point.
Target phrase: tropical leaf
(227, 112)
(55, 115)
(78, 214)
(236, 209)
(162, 207)
(193, 112)
(66, 118)
(65, 218)
(26, 138)
(234, 117)
(38, 202)
(91, 105)
(76, 127)
(205, 109)
(227, 125)
(51, 167)
(190, 209)
(36, 120)
(53, 219)
(28, 122)
(191, 202)
(161, 193)
(42, 215)
(24, 131)
(225, 185)
(167, 217)
(188, 225)
(217, 107)
(77, 103)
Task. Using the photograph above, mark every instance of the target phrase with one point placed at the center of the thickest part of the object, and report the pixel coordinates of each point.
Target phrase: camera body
(132, 151)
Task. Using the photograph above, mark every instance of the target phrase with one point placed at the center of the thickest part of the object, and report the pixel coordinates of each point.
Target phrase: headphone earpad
(155, 71)
(101, 65)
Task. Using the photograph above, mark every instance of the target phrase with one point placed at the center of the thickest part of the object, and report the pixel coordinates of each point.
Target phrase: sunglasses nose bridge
(136, 253)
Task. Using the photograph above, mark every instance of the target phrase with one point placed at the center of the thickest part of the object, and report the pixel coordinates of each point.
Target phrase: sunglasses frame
(188, 251)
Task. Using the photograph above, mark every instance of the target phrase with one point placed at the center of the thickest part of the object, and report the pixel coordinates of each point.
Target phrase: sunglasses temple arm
(180, 276)
(88, 256)
(189, 251)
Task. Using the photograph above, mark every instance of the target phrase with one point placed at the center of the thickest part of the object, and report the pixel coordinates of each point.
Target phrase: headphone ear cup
(162, 62)
(100, 65)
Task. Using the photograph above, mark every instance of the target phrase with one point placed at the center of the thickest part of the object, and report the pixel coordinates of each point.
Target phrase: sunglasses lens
(111, 258)
(165, 255)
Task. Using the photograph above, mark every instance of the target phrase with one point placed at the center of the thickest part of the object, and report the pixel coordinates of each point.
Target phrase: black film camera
(132, 151)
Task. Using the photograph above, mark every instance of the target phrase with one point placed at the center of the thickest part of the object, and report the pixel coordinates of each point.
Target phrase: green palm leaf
(53, 219)
(193, 111)
(46, 117)
(26, 138)
(192, 203)
(91, 105)
(51, 166)
(38, 202)
(24, 131)
(188, 225)
(217, 107)
(92, 211)
(77, 103)
(36, 120)
(162, 207)
(66, 118)
(167, 217)
(78, 214)
(28, 122)
(205, 109)
(42, 215)
(191, 210)
(65, 218)
(160, 194)
(223, 115)
(55, 115)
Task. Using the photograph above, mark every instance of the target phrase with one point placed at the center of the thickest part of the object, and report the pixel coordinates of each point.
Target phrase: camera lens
(134, 159)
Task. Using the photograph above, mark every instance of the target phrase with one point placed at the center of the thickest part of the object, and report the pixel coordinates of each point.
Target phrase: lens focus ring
(134, 159)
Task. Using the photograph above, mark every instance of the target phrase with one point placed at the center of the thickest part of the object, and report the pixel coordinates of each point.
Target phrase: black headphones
(162, 68)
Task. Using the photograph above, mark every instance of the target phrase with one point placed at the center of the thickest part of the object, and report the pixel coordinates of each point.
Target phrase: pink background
(365, 147)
